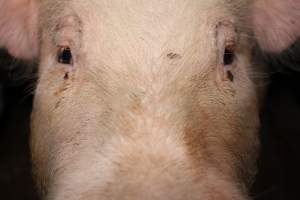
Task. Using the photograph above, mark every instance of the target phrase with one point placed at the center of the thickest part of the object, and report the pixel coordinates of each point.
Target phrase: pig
(140, 99)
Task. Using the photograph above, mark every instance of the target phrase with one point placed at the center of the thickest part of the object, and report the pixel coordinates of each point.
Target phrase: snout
(134, 169)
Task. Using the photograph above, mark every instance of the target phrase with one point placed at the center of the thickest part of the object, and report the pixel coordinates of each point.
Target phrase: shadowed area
(15, 170)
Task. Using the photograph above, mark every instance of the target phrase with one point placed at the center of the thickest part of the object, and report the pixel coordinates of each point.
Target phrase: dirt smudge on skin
(173, 56)
(66, 84)
(61, 90)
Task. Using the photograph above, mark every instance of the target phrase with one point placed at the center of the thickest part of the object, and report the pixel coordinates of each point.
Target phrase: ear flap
(276, 23)
(18, 27)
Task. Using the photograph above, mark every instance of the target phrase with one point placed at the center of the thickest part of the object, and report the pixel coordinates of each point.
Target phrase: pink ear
(18, 27)
(276, 23)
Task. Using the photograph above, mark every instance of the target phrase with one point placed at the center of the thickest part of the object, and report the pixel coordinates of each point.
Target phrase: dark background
(279, 167)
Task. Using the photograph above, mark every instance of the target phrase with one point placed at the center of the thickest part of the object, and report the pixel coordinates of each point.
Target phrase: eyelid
(230, 44)
(68, 32)
(65, 37)
(227, 37)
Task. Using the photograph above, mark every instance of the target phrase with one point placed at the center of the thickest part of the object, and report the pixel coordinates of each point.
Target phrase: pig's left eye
(65, 56)
(229, 56)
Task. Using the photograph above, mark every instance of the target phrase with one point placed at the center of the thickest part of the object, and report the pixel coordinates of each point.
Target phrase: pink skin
(183, 127)
(276, 23)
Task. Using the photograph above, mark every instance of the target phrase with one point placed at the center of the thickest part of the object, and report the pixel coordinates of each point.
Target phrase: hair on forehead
(55, 12)
(55, 15)
(57, 6)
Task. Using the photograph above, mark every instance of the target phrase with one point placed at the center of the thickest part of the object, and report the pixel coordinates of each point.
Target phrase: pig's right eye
(65, 56)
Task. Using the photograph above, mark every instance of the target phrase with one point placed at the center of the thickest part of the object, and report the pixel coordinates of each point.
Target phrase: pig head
(140, 99)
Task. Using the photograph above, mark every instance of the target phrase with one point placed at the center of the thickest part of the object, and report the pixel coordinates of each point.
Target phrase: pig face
(144, 99)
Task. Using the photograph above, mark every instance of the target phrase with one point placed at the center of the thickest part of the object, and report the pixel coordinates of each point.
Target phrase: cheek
(56, 81)
(224, 123)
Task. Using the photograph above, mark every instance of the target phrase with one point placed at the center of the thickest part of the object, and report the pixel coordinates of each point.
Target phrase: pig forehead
(142, 27)
(140, 3)
(54, 9)
(152, 16)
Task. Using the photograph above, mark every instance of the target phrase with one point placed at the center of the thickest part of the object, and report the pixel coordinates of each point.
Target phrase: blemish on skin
(293, 21)
(230, 75)
(174, 56)
(66, 84)
(66, 77)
